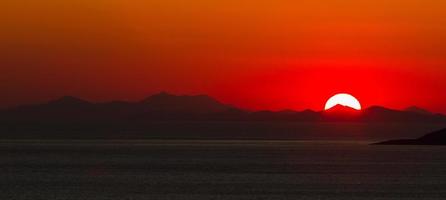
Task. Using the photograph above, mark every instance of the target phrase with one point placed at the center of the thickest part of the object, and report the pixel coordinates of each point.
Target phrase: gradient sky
(250, 53)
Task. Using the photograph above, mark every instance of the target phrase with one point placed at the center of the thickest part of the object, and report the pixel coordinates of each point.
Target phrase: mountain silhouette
(68, 101)
(418, 110)
(378, 113)
(185, 103)
(165, 106)
(64, 108)
(435, 138)
(162, 106)
(340, 112)
(165, 115)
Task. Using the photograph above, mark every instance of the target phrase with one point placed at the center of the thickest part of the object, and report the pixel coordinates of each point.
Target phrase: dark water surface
(220, 170)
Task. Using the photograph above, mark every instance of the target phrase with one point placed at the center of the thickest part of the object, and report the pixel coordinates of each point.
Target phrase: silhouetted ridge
(341, 113)
(377, 113)
(166, 115)
(417, 110)
(184, 103)
(435, 138)
(68, 101)
(166, 107)
(340, 109)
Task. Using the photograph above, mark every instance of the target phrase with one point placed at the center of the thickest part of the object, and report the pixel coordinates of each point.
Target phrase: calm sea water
(220, 170)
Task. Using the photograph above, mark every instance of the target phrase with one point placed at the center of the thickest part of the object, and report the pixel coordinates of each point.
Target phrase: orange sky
(251, 53)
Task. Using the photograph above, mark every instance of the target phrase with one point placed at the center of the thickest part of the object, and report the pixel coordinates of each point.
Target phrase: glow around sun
(344, 100)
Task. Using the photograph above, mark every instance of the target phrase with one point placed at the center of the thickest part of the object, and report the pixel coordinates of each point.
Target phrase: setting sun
(344, 100)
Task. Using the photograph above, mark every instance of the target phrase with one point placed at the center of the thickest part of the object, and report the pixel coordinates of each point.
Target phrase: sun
(344, 100)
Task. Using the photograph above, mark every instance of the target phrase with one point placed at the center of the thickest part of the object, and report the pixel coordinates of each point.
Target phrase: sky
(254, 54)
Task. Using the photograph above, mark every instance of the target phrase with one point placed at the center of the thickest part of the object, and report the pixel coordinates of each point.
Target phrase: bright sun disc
(344, 100)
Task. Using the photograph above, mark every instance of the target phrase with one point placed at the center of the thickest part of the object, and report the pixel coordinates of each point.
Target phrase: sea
(219, 169)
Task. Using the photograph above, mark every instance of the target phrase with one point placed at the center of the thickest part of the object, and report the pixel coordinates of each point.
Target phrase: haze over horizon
(258, 55)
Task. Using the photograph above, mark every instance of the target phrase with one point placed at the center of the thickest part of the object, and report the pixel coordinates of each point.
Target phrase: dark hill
(435, 138)
(64, 108)
(381, 114)
(341, 113)
(68, 101)
(184, 103)
(418, 110)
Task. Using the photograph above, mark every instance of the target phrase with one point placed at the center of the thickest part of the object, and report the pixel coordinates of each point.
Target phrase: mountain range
(165, 107)
(166, 115)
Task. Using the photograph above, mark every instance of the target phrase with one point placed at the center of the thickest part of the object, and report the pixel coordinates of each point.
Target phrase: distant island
(435, 138)
(168, 116)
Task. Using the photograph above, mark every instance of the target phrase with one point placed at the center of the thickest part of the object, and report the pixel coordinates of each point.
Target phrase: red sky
(250, 53)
